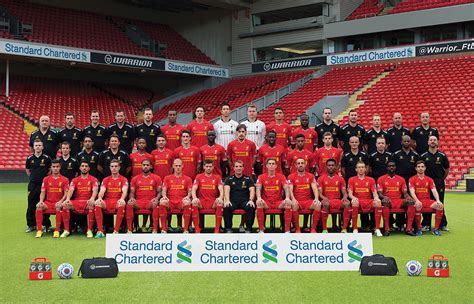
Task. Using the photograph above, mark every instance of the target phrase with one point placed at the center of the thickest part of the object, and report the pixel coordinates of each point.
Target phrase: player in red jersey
(271, 150)
(199, 128)
(84, 189)
(282, 129)
(333, 195)
(172, 131)
(304, 194)
(190, 155)
(393, 193)
(310, 134)
(145, 192)
(363, 195)
(136, 158)
(420, 187)
(162, 158)
(176, 194)
(53, 194)
(216, 153)
(270, 188)
(208, 193)
(242, 149)
(298, 152)
(111, 198)
(326, 152)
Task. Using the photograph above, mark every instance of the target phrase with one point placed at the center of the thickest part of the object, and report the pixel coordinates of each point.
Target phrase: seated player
(393, 193)
(333, 195)
(420, 187)
(363, 195)
(176, 194)
(270, 189)
(111, 198)
(53, 194)
(145, 192)
(304, 194)
(84, 189)
(207, 193)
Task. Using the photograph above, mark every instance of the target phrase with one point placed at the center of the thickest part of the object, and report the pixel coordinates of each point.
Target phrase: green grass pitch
(18, 248)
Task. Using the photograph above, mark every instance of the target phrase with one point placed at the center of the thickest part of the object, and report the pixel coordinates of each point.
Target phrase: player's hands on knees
(90, 204)
(100, 202)
(41, 206)
(410, 201)
(251, 204)
(154, 202)
(260, 203)
(67, 204)
(121, 203)
(196, 202)
(376, 203)
(58, 205)
(438, 205)
(418, 205)
(346, 203)
(132, 202)
(218, 202)
(227, 204)
(164, 201)
(355, 202)
(326, 203)
(316, 205)
(186, 200)
(386, 202)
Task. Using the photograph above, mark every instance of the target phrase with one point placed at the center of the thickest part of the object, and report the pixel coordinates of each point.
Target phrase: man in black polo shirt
(37, 168)
(47, 136)
(124, 131)
(437, 167)
(148, 130)
(421, 133)
(69, 165)
(395, 133)
(379, 159)
(97, 132)
(239, 193)
(327, 125)
(89, 155)
(370, 138)
(405, 159)
(110, 154)
(71, 134)
(349, 160)
(349, 130)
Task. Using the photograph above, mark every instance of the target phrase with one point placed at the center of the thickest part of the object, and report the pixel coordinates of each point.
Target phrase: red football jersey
(145, 186)
(172, 135)
(362, 188)
(199, 132)
(392, 187)
(55, 187)
(422, 186)
(216, 153)
(83, 187)
(208, 187)
(302, 186)
(277, 152)
(331, 187)
(283, 133)
(272, 187)
(322, 155)
(114, 186)
(136, 160)
(244, 151)
(191, 157)
(177, 187)
(162, 162)
(310, 137)
(293, 155)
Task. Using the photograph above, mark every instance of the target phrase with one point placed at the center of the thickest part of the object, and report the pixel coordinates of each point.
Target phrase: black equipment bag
(378, 264)
(98, 268)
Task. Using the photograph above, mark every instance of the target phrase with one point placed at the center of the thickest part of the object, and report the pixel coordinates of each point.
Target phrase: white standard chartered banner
(238, 252)
(43, 51)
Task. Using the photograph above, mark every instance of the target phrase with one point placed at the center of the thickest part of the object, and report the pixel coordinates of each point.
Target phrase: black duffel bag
(379, 265)
(98, 268)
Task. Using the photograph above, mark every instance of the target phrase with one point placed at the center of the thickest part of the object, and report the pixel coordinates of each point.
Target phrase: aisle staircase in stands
(461, 184)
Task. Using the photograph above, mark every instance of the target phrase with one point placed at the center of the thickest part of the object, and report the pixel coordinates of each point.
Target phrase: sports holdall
(379, 265)
(98, 268)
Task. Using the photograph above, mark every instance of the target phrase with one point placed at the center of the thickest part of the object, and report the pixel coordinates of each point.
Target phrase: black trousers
(440, 187)
(249, 211)
(34, 191)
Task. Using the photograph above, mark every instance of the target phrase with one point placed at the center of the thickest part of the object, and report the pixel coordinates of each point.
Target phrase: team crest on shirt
(152, 132)
(74, 136)
(367, 184)
(377, 159)
(125, 134)
(98, 133)
(69, 166)
(32, 161)
(438, 160)
(141, 130)
(139, 182)
(337, 183)
(42, 161)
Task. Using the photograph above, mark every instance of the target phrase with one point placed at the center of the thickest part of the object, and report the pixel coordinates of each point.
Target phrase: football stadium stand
(368, 8)
(12, 156)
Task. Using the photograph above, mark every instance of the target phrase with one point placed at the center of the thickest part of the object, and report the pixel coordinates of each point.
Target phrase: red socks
(410, 217)
(187, 216)
(324, 218)
(386, 218)
(39, 220)
(195, 217)
(118, 220)
(316, 216)
(378, 216)
(66, 213)
(90, 219)
(438, 218)
(355, 216)
(163, 213)
(261, 219)
(296, 221)
(346, 216)
(154, 216)
(129, 217)
(219, 213)
(288, 215)
(99, 218)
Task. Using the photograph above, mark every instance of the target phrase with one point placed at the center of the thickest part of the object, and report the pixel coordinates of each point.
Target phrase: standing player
(298, 152)
(162, 158)
(37, 168)
(422, 133)
(420, 188)
(256, 129)
(111, 198)
(89, 155)
(271, 150)
(84, 188)
(172, 131)
(310, 135)
(396, 133)
(363, 194)
(208, 193)
(113, 153)
(71, 134)
(176, 195)
(123, 131)
(189, 155)
(281, 128)
(215, 153)
(405, 159)
(137, 158)
(199, 128)
(53, 193)
(323, 154)
(145, 192)
(69, 166)
(373, 134)
(48, 137)
(351, 158)
(328, 125)
(148, 130)
(350, 130)
(97, 132)
(225, 127)
(242, 149)
(378, 160)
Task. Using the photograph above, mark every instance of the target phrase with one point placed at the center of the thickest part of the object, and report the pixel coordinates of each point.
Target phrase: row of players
(272, 193)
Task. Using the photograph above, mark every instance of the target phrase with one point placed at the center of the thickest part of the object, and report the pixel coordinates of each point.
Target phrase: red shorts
(206, 204)
(427, 203)
(365, 205)
(273, 205)
(111, 206)
(305, 205)
(50, 207)
(144, 204)
(176, 205)
(396, 203)
(79, 205)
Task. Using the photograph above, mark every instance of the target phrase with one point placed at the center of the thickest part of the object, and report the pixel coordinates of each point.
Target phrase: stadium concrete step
(461, 184)
(386, 10)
